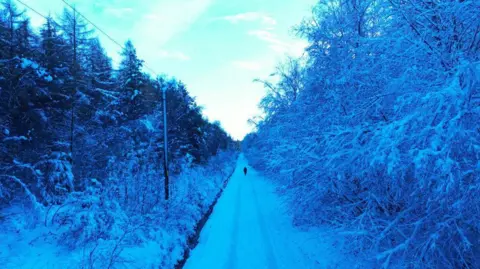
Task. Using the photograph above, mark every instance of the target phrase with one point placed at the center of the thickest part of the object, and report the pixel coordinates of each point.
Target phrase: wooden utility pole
(165, 141)
(74, 91)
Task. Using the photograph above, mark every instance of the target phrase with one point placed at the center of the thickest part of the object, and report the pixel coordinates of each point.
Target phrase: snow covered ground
(250, 228)
(33, 238)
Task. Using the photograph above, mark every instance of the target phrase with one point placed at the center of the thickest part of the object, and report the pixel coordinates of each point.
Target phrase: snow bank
(96, 229)
(408, 186)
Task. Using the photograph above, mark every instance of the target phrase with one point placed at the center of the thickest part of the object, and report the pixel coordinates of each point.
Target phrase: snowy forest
(81, 151)
(375, 131)
(372, 136)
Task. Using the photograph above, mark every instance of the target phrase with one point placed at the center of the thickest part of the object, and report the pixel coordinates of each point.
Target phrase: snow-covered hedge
(408, 186)
(96, 228)
(383, 141)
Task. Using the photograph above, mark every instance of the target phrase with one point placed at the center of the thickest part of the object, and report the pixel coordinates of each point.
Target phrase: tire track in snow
(269, 251)
(232, 255)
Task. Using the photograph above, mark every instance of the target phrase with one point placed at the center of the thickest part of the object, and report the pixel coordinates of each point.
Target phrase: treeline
(375, 132)
(69, 119)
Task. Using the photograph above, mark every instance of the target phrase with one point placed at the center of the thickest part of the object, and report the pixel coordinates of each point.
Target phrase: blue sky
(216, 47)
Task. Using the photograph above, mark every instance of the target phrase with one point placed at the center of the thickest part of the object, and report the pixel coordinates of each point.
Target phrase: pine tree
(131, 82)
(54, 49)
(77, 34)
(12, 19)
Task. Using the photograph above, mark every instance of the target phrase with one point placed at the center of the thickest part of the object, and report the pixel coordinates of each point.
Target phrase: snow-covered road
(250, 229)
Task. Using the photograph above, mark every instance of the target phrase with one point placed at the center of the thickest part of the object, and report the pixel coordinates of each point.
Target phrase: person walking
(245, 170)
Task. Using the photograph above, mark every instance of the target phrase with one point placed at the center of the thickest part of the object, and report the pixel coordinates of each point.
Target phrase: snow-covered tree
(81, 143)
(382, 140)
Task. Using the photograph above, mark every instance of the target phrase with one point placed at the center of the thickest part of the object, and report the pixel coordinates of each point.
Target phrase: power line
(41, 15)
(165, 147)
(107, 35)
(54, 22)
(94, 25)
(32, 9)
(145, 65)
(89, 21)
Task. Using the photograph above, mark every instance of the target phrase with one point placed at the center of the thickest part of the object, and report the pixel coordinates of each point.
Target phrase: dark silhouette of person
(245, 170)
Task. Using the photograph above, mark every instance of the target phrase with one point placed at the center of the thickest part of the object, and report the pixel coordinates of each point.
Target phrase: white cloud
(295, 48)
(165, 20)
(151, 16)
(118, 12)
(176, 55)
(266, 36)
(248, 65)
(250, 16)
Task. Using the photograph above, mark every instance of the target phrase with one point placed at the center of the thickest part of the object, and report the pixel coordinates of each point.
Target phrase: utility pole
(165, 141)
(74, 92)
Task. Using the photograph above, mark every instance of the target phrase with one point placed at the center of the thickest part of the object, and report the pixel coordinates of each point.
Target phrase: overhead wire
(107, 35)
(90, 22)
(41, 15)
(32, 9)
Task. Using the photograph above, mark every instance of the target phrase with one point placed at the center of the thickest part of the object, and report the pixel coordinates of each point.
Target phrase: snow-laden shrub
(164, 226)
(86, 217)
(406, 188)
(54, 177)
(383, 142)
(46, 182)
(409, 186)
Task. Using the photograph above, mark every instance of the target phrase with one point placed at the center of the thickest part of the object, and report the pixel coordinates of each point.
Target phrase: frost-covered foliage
(383, 140)
(81, 148)
(66, 114)
(96, 228)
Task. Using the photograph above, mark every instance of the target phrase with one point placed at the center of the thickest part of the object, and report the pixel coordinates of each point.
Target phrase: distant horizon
(216, 48)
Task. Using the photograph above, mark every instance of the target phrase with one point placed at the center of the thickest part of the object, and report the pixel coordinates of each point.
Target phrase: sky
(216, 47)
